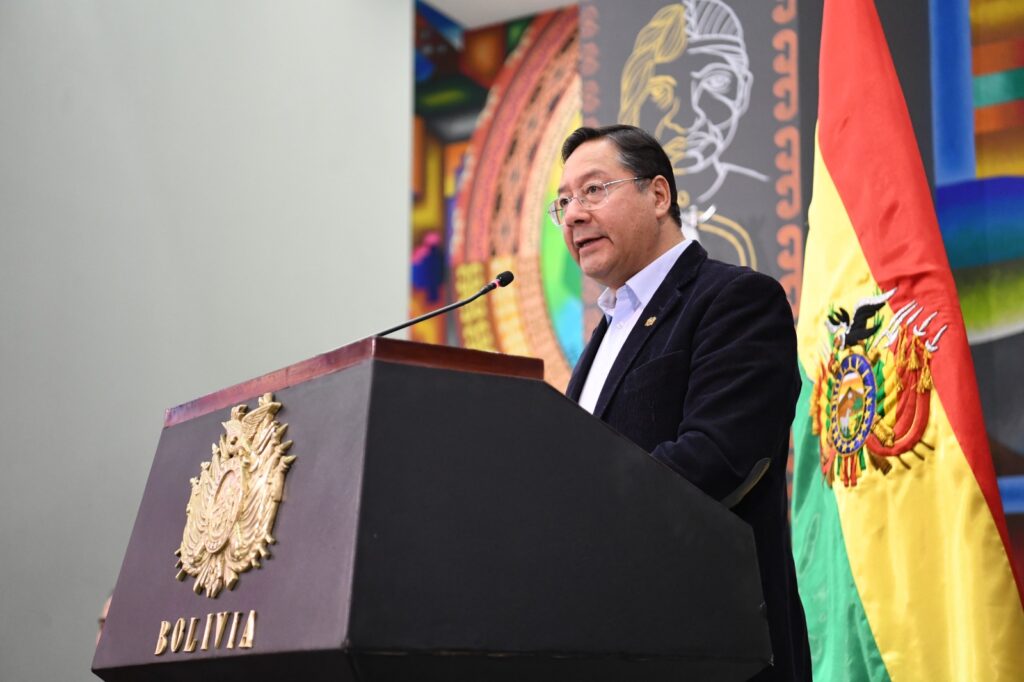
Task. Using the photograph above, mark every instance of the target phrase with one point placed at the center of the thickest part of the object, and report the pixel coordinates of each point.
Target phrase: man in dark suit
(694, 360)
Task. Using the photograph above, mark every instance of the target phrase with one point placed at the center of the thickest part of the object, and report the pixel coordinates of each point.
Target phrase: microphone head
(504, 279)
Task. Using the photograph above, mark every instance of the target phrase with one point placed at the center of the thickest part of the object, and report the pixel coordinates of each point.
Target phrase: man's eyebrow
(583, 178)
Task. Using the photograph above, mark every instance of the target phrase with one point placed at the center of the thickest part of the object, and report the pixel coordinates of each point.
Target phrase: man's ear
(662, 195)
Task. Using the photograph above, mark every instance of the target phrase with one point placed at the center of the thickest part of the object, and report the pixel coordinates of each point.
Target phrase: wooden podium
(447, 516)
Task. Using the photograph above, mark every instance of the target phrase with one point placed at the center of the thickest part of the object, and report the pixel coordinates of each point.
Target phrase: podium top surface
(371, 348)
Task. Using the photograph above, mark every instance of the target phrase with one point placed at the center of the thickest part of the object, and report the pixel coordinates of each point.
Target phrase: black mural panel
(716, 82)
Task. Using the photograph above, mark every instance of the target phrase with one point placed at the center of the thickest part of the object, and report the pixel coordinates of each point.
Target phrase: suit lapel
(579, 373)
(660, 307)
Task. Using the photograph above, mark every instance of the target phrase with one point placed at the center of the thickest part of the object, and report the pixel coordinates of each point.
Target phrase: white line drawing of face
(696, 120)
(696, 127)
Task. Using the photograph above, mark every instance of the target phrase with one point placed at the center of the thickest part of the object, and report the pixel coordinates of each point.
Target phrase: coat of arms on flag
(871, 397)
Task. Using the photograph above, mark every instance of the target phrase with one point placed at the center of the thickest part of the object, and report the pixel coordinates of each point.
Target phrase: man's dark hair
(638, 151)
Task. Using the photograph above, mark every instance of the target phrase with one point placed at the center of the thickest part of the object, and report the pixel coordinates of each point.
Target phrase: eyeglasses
(590, 197)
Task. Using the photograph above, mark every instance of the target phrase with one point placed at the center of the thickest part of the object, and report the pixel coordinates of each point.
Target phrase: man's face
(615, 241)
(697, 119)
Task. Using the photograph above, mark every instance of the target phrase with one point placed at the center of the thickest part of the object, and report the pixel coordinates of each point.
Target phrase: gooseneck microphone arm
(502, 280)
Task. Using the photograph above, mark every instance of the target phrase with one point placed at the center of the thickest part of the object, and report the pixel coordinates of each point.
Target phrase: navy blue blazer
(709, 388)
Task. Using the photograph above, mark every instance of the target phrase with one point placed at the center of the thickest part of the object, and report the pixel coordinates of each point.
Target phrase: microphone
(502, 280)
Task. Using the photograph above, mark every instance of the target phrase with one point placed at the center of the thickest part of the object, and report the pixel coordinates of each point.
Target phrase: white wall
(192, 193)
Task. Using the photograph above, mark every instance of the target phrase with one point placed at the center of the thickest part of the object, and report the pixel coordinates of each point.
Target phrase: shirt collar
(639, 289)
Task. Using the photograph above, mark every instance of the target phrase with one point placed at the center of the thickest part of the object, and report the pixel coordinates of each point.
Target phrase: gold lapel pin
(650, 321)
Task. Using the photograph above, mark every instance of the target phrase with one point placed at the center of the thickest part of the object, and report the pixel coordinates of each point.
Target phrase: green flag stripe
(842, 645)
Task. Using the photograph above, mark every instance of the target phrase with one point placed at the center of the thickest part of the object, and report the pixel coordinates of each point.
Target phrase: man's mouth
(582, 244)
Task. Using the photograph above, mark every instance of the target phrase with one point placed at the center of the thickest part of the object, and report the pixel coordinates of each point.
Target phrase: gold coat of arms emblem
(872, 398)
(231, 511)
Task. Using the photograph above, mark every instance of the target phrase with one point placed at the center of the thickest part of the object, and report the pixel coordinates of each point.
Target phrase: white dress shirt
(622, 308)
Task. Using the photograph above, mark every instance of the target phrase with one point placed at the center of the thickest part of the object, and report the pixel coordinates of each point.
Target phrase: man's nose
(575, 213)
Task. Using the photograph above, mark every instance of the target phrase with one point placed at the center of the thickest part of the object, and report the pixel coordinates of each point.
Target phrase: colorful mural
(978, 113)
(454, 70)
(492, 107)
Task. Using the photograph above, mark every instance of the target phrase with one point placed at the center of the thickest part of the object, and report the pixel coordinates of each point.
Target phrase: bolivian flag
(898, 531)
